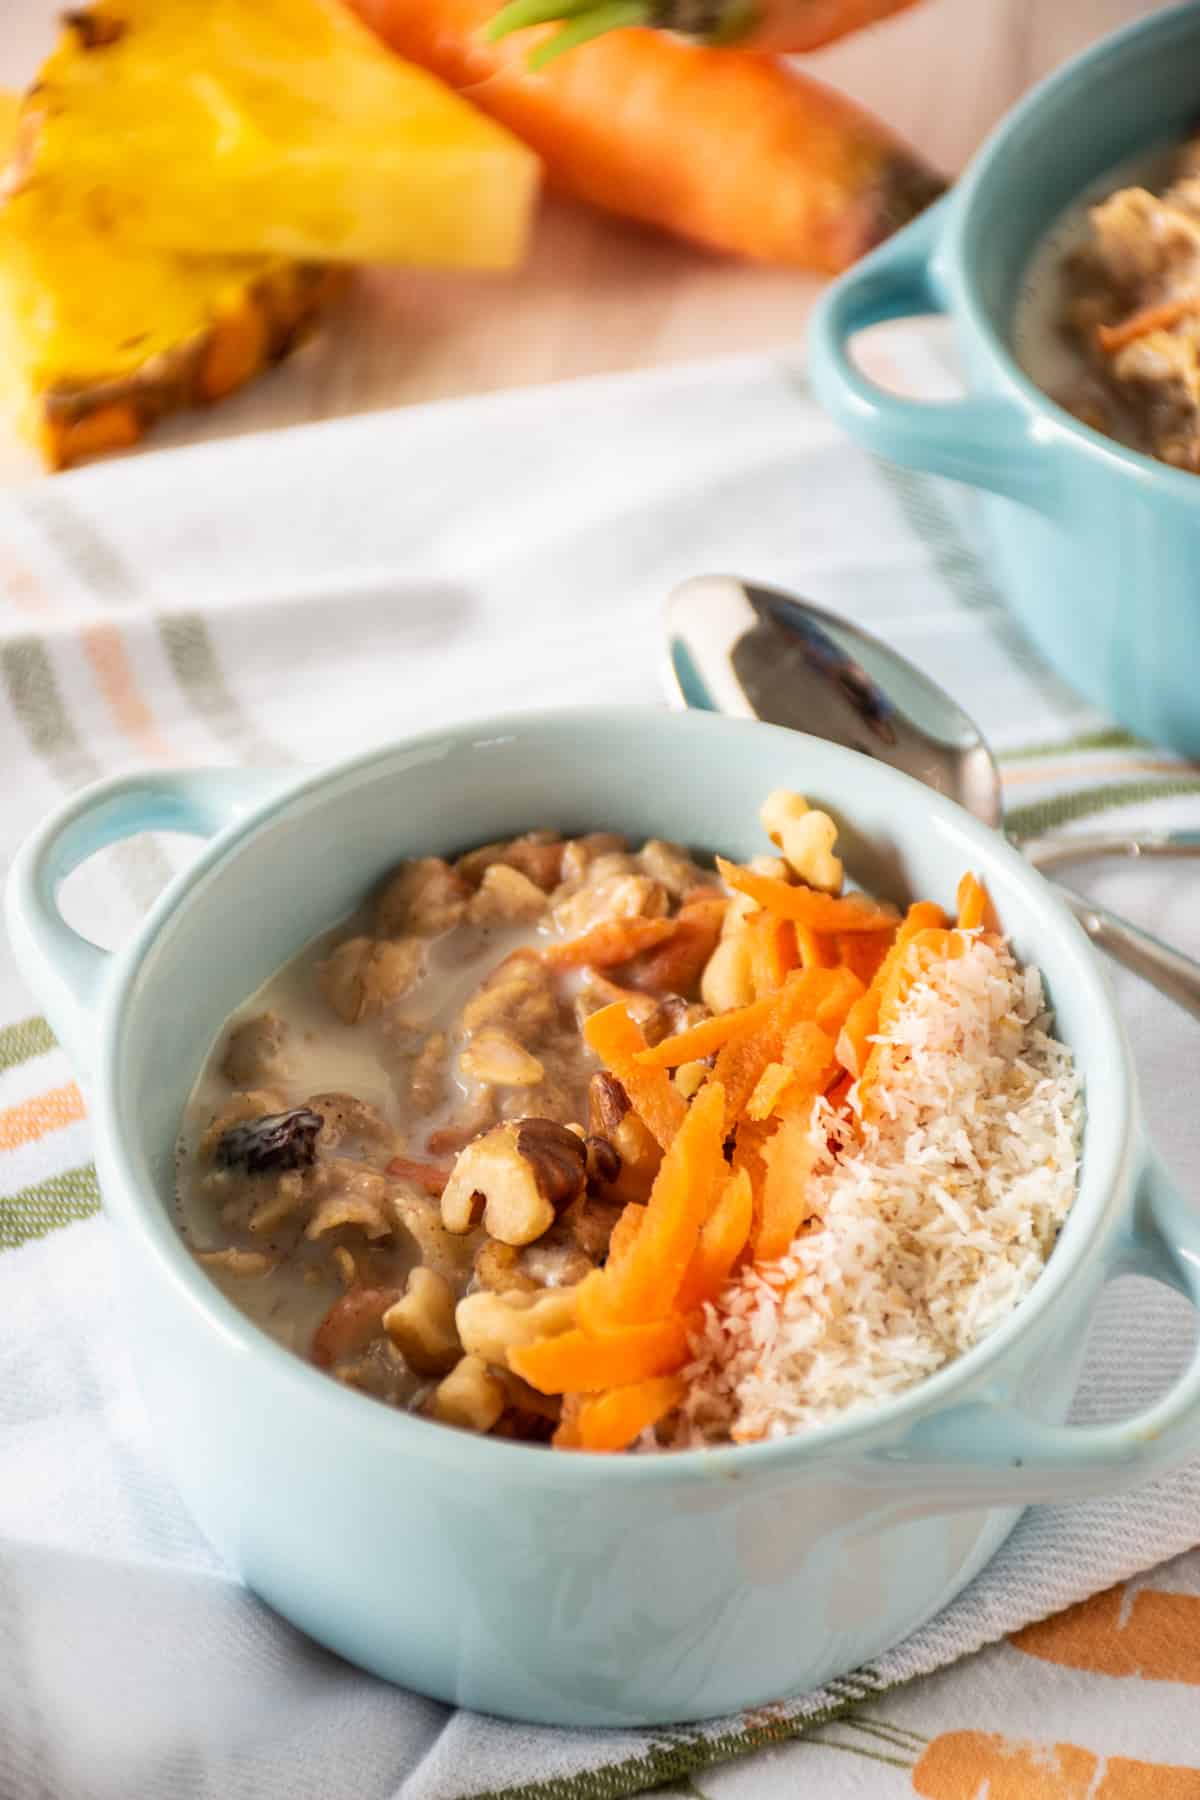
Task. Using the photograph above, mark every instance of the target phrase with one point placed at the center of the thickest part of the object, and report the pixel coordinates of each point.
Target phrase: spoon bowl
(738, 647)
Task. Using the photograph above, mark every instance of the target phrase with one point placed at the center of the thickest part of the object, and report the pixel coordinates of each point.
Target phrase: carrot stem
(519, 15)
(619, 16)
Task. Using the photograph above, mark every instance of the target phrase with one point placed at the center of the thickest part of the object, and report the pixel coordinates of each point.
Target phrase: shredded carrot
(838, 1092)
(699, 1041)
(936, 943)
(624, 1232)
(834, 1008)
(704, 892)
(817, 950)
(854, 912)
(862, 951)
(429, 1176)
(607, 992)
(789, 1160)
(741, 1062)
(974, 905)
(566, 1436)
(722, 1240)
(829, 976)
(645, 1282)
(808, 1052)
(769, 1090)
(862, 1021)
(773, 951)
(609, 943)
(613, 1420)
(1158, 317)
(677, 964)
(619, 1044)
(750, 1138)
(579, 1362)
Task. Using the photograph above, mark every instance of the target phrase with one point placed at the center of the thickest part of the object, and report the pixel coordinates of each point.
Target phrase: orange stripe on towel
(33, 1118)
(115, 679)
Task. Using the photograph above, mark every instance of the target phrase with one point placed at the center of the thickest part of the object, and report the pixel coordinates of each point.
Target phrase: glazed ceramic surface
(567, 1588)
(1096, 546)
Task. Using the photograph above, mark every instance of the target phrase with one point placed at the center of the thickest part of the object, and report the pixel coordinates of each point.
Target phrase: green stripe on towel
(36, 1211)
(21, 1042)
(1084, 803)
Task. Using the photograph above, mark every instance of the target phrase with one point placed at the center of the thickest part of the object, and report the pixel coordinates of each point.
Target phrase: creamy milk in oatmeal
(1107, 321)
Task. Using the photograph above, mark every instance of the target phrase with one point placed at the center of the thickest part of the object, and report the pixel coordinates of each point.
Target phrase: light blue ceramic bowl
(565, 1588)
(1096, 546)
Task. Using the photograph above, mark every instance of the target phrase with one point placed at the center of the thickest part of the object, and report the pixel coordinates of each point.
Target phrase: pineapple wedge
(98, 340)
(278, 127)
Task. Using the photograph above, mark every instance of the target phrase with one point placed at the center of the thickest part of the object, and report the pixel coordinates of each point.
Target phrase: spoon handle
(1056, 852)
(1170, 971)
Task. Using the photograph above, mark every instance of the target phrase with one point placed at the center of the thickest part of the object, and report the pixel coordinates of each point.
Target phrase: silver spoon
(735, 647)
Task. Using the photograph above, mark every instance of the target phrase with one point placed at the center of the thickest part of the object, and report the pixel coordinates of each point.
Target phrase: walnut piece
(610, 1117)
(728, 980)
(498, 1269)
(448, 1253)
(470, 1396)
(608, 1104)
(490, 1325)
(518, 1177)
(421, 1324)
(806, 838)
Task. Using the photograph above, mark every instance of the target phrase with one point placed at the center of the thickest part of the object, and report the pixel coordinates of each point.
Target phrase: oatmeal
(577, 1144)
(321, 1181)
(1108, 322)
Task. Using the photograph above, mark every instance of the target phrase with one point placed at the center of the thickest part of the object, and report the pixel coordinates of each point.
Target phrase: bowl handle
(996, 1455)
(985, 439)
(65, 970)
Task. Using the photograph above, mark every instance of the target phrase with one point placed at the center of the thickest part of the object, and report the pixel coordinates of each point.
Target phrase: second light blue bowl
(1097, 548)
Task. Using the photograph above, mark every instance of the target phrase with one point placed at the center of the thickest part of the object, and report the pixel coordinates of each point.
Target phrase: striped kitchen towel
(292, 599)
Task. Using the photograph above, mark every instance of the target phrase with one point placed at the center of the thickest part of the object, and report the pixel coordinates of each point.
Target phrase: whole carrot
(736, 152)
(786, 27)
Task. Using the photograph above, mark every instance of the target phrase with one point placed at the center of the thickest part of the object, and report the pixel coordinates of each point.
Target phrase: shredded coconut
(931, 1218)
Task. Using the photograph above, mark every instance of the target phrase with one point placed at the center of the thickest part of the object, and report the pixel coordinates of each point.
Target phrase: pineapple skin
(268, 127)
(98, 341)
(255, 324)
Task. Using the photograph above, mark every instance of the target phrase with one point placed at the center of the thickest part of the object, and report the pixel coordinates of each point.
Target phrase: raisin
(276, 1142)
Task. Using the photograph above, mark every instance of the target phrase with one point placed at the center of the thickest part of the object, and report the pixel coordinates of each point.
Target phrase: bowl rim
(1099, 1201)
(1064, 86)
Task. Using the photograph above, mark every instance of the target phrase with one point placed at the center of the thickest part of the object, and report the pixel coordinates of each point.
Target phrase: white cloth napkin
(297, 597)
